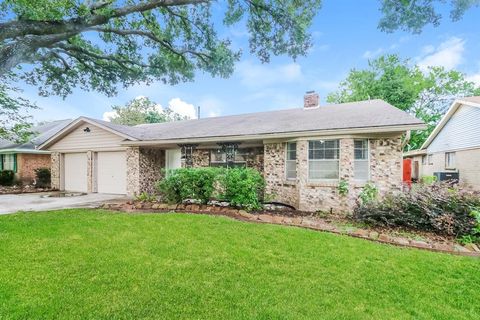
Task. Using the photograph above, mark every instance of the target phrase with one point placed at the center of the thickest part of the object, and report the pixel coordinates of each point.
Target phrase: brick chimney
(311, 100)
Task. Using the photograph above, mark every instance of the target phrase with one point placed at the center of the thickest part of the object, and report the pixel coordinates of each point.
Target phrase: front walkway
(10, 203)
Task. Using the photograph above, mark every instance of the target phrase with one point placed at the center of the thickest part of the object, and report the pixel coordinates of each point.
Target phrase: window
(218, 158)
(323, 160)
(9, 162)
(291, 161)
(424, 160)
(450, 160)
(361, 160)
(430, 159)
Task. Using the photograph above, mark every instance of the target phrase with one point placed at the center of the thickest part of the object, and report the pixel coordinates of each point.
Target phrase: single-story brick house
(453, 147)
(303, 153)
(24, 158)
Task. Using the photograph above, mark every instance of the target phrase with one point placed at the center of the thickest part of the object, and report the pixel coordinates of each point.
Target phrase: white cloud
(475, 78)
(258, 75)
(109, 115)
(372, 54)
(176, 104)
(449, 54)
(183, 108)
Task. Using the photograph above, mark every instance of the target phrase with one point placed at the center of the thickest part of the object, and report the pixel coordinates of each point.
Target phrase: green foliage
(189, 183)
(15, 125)
(243, 187)
(7, 177)
(343, 187)
(426, 95)
(413, 15)
(59, 46)
(369, 193)
(43, 177)
(143, 110)
(146, 197)
(428, 179)
(440, 208)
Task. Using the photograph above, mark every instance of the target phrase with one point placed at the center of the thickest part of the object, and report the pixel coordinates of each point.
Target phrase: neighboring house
(24, 158)
(303, 153)
(453, 147)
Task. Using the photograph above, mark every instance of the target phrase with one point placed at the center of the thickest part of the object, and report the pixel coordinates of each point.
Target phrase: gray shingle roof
(41, 134)
(364, 114)
(474, 99)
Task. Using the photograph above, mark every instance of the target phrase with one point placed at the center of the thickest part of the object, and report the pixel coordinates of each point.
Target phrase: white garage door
(75, 178)
(112, 172)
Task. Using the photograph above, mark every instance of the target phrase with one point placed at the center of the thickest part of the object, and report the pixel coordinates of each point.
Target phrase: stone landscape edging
(306, 222)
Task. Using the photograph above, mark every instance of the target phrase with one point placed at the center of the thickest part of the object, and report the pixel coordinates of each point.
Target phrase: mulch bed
(23, 189)
(331, 223)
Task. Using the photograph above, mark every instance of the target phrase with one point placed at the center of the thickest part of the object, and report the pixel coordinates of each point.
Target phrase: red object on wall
(407, 171)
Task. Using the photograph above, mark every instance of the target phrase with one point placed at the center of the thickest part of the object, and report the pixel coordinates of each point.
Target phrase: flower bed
(23, 189)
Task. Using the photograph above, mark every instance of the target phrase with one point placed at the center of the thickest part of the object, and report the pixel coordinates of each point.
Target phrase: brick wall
(27, 163)
(55, 167)
(144, 169)
(385, 173)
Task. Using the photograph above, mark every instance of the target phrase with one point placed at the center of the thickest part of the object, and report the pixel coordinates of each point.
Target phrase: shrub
(343, 187)
(243, 187)
(43, 176)
(369, 193)
(428, 179)
(240, 186)
(146, 197)
(7, 177)
(440, 208)
(189, 183)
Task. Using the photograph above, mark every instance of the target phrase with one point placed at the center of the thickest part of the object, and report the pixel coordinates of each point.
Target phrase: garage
(75, 169)
(111, 172)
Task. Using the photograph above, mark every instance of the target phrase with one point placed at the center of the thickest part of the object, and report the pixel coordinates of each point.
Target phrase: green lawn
(87, 264)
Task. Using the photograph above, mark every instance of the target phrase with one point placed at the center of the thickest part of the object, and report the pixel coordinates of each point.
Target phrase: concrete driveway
(10, 203)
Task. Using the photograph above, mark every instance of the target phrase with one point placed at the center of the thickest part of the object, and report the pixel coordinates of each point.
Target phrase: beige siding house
(303, 153)
(454, 145)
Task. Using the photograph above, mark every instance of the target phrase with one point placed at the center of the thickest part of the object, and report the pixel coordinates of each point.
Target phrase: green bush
(369, 193)
(441, 208)
(189, 183)
(7, 177)
(146, 197)
(343, 187)
(43, 176)
(243, 188)
(428, 179)
(239, 186)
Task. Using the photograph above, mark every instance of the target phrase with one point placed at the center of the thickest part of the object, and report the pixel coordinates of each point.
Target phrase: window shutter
(1, 162)
(15, 162)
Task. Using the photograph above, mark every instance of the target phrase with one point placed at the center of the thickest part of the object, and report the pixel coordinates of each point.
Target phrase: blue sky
(345, 37)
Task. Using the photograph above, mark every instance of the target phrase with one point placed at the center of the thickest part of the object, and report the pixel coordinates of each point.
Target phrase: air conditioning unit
(447, 176)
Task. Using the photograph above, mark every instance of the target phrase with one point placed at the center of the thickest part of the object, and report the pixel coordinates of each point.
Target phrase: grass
(87, 264)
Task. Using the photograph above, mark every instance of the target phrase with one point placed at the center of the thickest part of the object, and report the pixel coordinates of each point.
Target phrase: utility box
(447, 176)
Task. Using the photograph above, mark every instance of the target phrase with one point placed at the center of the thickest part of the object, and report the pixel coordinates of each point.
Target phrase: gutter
(29, 151)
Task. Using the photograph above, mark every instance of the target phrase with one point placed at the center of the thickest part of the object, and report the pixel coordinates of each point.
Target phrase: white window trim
(367, 160)
(454, 167)
(308, 161)
(286, 161)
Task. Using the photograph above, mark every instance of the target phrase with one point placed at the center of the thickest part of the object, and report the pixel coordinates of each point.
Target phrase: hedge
(241, 187)
(441, 208)
(7, 177)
